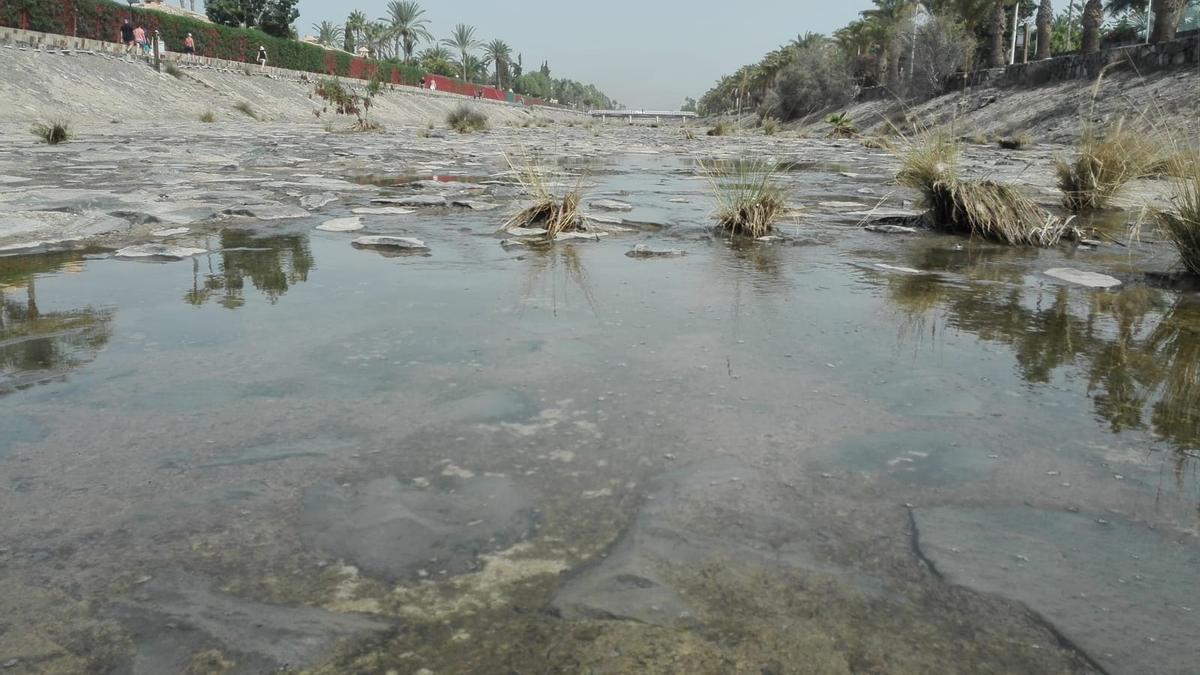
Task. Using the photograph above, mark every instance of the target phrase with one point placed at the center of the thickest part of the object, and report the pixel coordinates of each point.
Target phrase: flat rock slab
(395, 530)
(1124, 594)
(1089, 279)
(475, 205)
(317, 201)
(176, 615)
(158, 251)
(644, 251)
(610, 205)
(446, 185)
(352, 224)
(425, 201)
(891, 229)
(587, 236)
(382, 211)
(404, 243)
(267, 211)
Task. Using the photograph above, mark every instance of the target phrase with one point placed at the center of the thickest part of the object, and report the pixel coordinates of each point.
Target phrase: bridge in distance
(631, 115)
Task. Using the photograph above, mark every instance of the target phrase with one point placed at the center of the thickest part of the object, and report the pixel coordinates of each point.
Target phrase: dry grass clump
(246, 109)
(770, 126)
(748, 200)
(1182, 223)
(877, 143)
(52, 133)
(981, 208)
(555, 208)
(1106, 163)
(464, 119)
(721, 128)
(174, 71)
(208, 117)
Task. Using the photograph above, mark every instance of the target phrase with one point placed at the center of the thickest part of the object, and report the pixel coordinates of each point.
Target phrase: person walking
(139, 36)
(189, 46)
(127, 38)
(262, 57)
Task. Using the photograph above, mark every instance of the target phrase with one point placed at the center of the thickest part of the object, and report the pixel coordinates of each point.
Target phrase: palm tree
(1045, 22)
(355, 24)
(436, 60)
(462, 39)
(328, 33)
(407, 26)
(997, 24)
(1167, 14)
(375, 37)
(474, 69)
(499, 53)
(894, 17)
(1093, 16)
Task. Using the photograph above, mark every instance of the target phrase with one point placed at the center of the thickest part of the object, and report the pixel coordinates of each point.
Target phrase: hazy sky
(645, 54)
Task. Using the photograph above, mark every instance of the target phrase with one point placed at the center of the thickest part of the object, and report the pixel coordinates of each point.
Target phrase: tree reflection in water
(1139, 346)
(37, 346)
(272, 264)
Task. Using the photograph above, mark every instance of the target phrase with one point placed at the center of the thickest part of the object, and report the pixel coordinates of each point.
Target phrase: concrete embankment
(86, 88)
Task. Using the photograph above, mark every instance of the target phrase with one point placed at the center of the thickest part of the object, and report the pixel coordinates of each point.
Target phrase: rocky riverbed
(276, 397)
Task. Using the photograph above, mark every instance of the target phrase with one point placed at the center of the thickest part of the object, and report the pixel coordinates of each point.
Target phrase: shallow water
(477, 452)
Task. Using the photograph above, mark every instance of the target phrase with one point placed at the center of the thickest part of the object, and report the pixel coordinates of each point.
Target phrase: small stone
(142, 579)
(341, 225)
(10, 663)
(669, 456)
(644, 251)
(1089, 279)
(610, 205)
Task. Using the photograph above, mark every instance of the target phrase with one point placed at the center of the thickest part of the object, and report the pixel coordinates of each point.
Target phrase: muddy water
(835, 452)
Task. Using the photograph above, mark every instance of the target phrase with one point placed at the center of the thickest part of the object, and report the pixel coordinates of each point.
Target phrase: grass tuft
(721, 128)
(174, 71)
(980, 208)
(1106, 163)
(246, 109)
(208, 117)
(1182, 223)
(841, 126)
(465, 119)
(555, 208)
(53, 133)
(1016, 142)
(748, 200)
(770, 126)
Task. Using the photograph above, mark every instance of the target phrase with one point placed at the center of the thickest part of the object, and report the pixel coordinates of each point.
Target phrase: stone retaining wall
(1183, 52)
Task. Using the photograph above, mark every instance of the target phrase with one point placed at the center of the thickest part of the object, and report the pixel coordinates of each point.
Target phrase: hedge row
(101, 20)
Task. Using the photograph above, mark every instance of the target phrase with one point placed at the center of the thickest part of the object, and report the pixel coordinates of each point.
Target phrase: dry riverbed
(276, 398)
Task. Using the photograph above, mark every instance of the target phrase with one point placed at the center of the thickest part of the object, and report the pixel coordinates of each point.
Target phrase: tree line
(911, 46)
(397, 36)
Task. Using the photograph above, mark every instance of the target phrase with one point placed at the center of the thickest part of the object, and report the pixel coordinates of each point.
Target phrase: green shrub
(246, 108)
(208, 117)
(464, 119)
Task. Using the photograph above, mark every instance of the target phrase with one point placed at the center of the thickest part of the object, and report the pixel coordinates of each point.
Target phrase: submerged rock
(174, 615)
(341, 225)
(393, 530)
(644, 251)
(382, 211)
(1123, 593)
(405, 243)
(1089, 279)
(267, 211)
(526, 231)
(610, 205)
(475, 205)
(589, 236)
(413, 200)
(159, 251)
(170, 232)
(717, 510)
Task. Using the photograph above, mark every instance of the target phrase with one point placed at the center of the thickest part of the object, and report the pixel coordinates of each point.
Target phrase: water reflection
(1138, 347)
(272, 264)
(552, 271)
(38, 346)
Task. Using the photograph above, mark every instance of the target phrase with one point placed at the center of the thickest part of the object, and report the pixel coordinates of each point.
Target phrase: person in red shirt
(189, 46)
